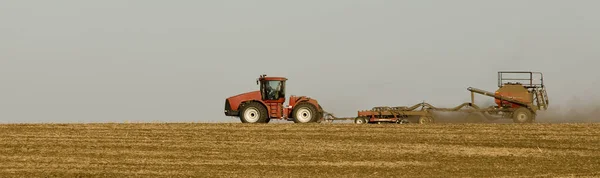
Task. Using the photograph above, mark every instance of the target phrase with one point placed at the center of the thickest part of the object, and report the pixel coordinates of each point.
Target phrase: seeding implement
(518, 97)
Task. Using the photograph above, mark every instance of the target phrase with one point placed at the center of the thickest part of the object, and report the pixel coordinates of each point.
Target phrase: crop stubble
(316, 150)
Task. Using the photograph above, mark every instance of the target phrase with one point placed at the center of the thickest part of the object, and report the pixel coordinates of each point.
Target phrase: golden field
(299, 150)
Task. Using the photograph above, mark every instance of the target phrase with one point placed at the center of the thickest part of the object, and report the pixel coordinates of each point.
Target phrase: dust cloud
(573, 112)
(576, 112)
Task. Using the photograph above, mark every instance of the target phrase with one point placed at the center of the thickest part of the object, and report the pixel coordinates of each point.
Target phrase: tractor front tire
(305, 113)
(254, 112)
(522, 115)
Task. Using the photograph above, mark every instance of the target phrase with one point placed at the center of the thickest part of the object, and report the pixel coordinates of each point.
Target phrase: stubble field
(299, 150)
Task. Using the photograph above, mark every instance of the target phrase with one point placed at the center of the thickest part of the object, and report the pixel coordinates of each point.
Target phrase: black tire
(522, 115)
(305, 113)
(360, 120)
(254, 112)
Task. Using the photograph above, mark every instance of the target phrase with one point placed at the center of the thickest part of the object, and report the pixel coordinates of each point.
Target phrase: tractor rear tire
(522, 115)
(254, 112)
(305, 113)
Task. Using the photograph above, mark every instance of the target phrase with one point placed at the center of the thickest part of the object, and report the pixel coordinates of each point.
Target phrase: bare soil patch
(299, 150)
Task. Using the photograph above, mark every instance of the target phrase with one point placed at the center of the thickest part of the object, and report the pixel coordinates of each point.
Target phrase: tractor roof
(274, 78)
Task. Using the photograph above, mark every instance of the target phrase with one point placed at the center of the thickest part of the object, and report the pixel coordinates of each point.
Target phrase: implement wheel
(425, 120)
(360, 120)
(402, 121)
(522, 115)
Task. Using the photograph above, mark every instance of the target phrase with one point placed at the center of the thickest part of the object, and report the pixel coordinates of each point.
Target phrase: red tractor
(267, 103)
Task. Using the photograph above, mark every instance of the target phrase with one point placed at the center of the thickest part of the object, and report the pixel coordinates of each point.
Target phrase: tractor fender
(297, 99)
(250, 101)
(294, 100)
(234, 103)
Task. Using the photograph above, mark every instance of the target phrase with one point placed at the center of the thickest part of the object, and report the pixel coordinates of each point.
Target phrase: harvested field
(299, 150)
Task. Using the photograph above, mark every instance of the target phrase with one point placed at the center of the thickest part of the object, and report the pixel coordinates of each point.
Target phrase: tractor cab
(272, 89)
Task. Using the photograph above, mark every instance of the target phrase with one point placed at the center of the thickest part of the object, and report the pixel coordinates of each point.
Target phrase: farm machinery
(519, 96)
(267, 103)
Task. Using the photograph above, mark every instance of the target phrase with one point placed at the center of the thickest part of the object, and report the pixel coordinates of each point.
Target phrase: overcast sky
(177, 61)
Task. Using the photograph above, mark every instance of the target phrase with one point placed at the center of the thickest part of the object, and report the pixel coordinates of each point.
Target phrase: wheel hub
(251, 115)
(522, 117)
(304, 115)
(425, 120)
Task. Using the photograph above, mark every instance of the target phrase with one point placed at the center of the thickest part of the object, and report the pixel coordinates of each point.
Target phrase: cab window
(273, 90)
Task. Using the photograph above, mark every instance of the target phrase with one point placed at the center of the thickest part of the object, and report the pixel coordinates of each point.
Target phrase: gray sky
(177, 61)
